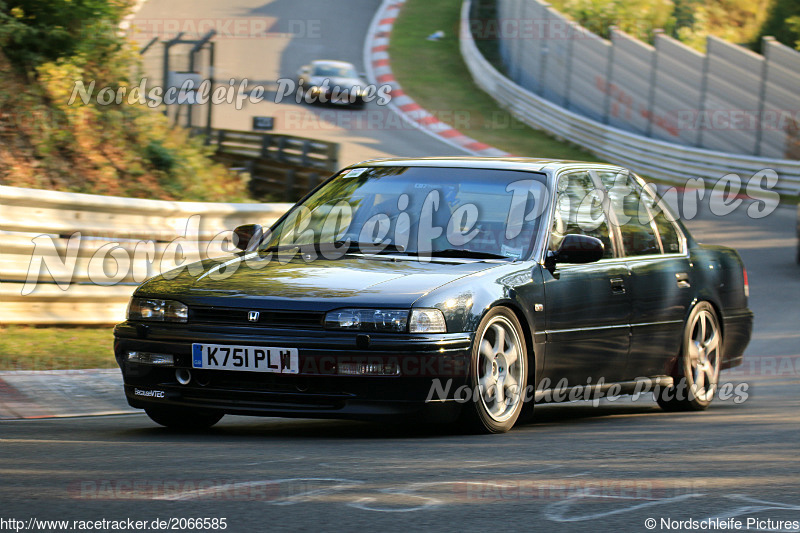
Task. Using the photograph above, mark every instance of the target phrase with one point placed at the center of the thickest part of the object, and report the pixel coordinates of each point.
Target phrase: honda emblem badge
(252, 316)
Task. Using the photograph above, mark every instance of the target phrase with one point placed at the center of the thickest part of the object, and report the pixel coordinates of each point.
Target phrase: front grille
(266, 318)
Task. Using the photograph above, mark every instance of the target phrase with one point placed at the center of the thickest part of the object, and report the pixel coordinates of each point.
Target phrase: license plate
(245, 358)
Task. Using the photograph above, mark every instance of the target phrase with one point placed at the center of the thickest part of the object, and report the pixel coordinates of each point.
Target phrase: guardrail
(657, 159)
(280, 166)
(298, 151)
(272, 180)
(87, 253)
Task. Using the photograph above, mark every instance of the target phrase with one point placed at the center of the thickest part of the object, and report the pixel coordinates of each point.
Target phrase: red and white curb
(379, 71)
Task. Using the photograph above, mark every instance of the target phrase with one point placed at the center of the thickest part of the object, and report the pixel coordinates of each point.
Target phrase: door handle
(682, 279)
(617, 286)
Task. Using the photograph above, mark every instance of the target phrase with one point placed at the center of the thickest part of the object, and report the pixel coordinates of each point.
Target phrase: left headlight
(157, 310)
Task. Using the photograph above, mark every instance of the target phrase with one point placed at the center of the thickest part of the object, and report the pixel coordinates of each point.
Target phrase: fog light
(368, 369)
(148, 358)
(183, 376)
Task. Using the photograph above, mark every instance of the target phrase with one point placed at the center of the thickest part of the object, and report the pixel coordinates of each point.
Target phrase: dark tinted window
(670, 241)
(579, 210)
(335, 71)
(631, 214)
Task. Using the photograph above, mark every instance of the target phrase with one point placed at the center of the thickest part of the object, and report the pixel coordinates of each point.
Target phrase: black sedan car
(446, 290)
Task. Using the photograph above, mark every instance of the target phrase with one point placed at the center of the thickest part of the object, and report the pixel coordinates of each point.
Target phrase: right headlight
(157, 310)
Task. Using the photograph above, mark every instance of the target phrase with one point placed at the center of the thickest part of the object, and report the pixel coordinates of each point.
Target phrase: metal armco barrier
(88, 279)
(727, 99)
(281, 167)
(651, 157)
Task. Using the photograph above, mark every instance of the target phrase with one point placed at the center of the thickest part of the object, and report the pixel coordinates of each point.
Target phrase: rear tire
(176, 418)
(498, 374)
(697, 375)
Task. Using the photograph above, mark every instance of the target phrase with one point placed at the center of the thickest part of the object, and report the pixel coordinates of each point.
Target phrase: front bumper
(317, 391)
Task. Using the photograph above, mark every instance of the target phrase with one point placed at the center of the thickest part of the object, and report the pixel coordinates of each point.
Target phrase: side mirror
(248, 237)
(579, 249)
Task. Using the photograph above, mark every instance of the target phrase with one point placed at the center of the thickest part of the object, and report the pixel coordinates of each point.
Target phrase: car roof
(501, 163)
(331, 63)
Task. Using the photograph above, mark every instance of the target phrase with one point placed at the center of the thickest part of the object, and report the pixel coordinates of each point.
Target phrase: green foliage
(736, 21)
(783, 22)
(125, 148)
(636, 17)
(161, 158)
(690, 21)
(449, 92)
(35, 31)
(794, 24)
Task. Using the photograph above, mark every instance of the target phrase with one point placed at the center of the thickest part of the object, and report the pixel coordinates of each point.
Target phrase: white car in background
(329, 81)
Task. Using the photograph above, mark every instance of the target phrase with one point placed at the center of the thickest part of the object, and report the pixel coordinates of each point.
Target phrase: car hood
(319, 285)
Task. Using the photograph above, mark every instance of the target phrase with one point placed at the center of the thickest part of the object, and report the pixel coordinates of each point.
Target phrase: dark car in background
(445, 290)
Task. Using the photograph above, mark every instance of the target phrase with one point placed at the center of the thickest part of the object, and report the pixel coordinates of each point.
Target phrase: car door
(656, 256)
(587, 305)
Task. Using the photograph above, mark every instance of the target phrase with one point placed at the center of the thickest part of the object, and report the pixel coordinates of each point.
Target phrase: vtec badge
(149, 393)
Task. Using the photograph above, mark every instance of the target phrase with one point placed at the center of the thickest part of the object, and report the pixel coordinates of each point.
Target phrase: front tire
(697, 375)
(183, 418)
(498, 374)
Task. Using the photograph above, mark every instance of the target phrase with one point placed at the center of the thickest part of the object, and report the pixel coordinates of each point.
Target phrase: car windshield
(332, 71)
(479, 213)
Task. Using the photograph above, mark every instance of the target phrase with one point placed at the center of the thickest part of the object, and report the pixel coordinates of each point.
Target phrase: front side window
(631, 214)
(670, 241)
(579, 210)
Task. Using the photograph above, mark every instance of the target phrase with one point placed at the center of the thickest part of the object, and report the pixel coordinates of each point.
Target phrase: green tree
(783, 22)
(33, 32)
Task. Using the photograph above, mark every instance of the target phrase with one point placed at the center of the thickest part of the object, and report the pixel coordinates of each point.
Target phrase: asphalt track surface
(297, 32)
(574, 468)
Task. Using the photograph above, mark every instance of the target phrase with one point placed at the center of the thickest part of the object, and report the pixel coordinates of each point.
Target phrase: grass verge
(56, 348)
(435, 76)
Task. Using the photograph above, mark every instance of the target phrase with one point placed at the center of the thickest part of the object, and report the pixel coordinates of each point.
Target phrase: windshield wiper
(366, 247)
(458, 252)
(379, 248)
